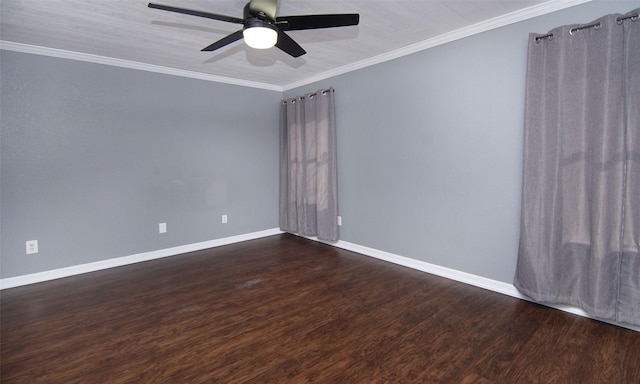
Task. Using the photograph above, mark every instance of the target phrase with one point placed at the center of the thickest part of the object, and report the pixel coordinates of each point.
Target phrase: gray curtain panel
(308, 170)
(580, 220)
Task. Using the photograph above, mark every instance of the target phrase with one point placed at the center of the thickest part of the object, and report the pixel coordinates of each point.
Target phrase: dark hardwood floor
(288, 310)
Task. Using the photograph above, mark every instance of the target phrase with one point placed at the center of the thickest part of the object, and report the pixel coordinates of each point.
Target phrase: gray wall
(94, 157)
(430, 147)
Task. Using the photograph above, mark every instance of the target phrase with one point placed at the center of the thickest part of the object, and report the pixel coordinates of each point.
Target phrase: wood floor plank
(288, 310)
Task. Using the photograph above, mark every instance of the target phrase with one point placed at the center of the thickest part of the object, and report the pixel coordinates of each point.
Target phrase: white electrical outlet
(339, 220)
(162, 228)
(32, 247)
(225, 219)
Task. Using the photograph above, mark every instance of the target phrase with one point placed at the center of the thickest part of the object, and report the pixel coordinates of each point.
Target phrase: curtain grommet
(549, 37)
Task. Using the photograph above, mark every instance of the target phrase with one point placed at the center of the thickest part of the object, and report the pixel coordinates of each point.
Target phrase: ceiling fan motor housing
(247, 14)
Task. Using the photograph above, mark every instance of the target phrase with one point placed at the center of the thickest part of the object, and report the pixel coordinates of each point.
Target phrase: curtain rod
(311, 95)
(597, 25)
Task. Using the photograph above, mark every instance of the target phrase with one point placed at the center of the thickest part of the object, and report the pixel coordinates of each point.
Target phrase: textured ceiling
(130, 31)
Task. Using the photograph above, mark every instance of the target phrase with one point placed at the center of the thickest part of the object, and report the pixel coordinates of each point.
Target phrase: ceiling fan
(263, 29)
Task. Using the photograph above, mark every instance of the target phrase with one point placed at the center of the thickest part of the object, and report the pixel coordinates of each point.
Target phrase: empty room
(261, 191)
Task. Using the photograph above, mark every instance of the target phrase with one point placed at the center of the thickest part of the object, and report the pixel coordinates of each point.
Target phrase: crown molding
(487, 25)
(60, 53)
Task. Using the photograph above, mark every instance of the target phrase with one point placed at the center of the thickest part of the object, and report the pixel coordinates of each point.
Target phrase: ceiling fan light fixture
(260, 37)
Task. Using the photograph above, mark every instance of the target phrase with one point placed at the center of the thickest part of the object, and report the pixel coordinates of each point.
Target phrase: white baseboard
(39, 277)
(452, 274)
(463, 277)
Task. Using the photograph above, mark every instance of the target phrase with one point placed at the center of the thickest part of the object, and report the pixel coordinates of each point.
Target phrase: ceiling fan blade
(268, 7)
(288, 45)
(296, 23)
(235, 36)
(208, 15)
